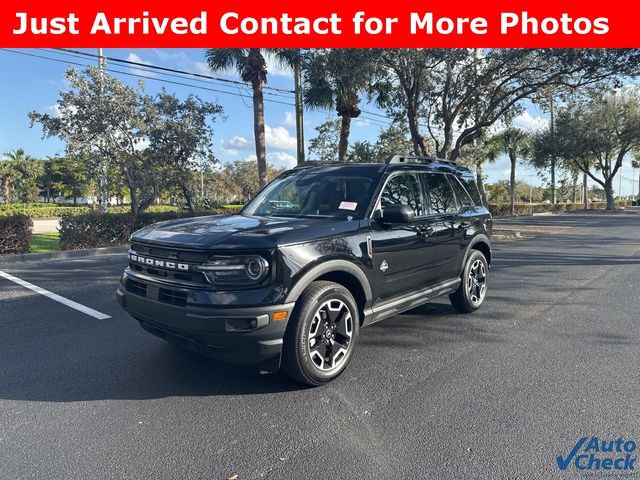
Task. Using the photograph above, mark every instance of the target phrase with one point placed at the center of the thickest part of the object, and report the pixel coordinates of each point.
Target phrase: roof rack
(315, 163)
(416, 159)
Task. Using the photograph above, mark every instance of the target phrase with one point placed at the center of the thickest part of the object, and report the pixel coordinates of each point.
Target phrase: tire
(321, 335)
(473, 287)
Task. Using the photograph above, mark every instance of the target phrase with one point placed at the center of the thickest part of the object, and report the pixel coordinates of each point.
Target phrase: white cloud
(279, 139)
(202, 68)
(289, 119)
(53, 110)
(232, 146)
(276, 69)
(275, 159)
(133, 57)
(281, 159)
(528, 122)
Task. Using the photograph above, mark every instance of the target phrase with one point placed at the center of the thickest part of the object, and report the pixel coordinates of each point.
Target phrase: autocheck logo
(154, 262)
(596, 457)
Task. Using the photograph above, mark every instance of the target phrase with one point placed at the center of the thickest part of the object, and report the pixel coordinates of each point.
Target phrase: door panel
(401, 258)
(445, 214)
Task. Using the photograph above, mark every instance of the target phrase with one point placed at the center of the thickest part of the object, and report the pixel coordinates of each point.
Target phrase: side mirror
(397, 214)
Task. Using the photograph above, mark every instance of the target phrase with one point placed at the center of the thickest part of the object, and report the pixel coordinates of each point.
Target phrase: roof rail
(315, 163)
(416, 159)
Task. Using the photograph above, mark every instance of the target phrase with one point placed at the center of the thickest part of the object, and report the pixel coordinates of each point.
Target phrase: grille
(137, 288)
(191, 278)
(172, 297)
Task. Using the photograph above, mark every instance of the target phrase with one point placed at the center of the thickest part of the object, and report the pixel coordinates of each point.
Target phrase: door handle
(464, 225)
(425, 231)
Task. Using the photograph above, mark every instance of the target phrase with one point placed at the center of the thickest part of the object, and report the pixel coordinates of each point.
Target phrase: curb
(33, 257)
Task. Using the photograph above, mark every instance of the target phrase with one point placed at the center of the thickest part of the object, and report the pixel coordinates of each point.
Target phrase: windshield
(313, 195)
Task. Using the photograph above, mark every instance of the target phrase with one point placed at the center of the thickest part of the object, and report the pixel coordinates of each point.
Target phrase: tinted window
(462, 196)
(440, 193)
(472, 188)
(403, 189)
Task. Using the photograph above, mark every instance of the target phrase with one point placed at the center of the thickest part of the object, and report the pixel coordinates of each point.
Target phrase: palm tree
(484, 149)
(335, 78)
(516, 143)
(9, 170)
(252, 67)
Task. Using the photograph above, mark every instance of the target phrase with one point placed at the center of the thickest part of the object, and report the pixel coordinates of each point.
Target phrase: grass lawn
(45, 242)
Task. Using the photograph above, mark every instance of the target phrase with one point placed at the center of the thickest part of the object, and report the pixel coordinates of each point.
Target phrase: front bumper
(239, 335)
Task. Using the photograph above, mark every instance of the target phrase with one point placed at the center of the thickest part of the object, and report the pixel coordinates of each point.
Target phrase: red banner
(402, 23)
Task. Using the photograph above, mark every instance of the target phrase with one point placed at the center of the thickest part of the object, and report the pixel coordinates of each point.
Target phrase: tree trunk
(345, 128)
(512, 185)
(419, 147)
(608, 190)
(586, 190)
(6, 188)
(480, 182)
(258, 131)
(188, 197)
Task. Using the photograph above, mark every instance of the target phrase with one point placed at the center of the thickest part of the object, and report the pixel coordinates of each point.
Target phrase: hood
(240, 231)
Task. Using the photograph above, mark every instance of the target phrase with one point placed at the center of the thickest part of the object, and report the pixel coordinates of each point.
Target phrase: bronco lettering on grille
(154, 262)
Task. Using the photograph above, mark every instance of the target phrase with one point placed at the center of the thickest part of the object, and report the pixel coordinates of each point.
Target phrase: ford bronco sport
(320, 252)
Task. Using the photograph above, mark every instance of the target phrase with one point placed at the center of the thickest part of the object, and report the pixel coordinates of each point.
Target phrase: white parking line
(54, 296)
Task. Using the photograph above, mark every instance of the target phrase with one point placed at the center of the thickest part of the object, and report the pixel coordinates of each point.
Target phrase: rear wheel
(473, 285)
(322, 333)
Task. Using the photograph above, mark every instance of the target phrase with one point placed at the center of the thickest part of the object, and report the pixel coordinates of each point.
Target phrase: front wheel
(322, 333)
(473, 287)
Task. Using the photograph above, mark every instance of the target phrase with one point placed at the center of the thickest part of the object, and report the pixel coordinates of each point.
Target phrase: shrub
(503, 209)
(93, 230)
(15, 233)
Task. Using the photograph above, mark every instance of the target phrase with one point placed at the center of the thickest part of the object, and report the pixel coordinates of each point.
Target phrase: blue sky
(30, 83)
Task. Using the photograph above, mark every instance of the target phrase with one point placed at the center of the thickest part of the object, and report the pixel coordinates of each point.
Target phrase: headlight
(242, 270)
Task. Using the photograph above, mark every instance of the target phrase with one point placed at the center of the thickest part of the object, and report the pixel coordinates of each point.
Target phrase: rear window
(471, 187)
(464, 200)
(441, 196)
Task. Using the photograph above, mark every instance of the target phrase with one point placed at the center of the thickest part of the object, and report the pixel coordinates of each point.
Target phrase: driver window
(404, 189)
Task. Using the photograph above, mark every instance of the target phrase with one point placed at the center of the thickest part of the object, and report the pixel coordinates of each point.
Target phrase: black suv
(320, 252)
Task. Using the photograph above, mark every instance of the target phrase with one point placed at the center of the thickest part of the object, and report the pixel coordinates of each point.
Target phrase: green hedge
(503, 209)
(15, 233)
(93, 230)
(44, 210)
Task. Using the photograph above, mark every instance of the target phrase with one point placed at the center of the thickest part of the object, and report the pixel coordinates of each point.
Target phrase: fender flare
(330, 266)
(481, 237)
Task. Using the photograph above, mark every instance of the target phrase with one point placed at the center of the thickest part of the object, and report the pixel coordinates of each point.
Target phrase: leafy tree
(324, 146)
(484, 149)
(595, 134)
(498, 192)
(181, 138)
(336, 78)
(362, 152)
(469, 90)
(19, 173)
(392, 141)
(252, 68)
(515, 143)
(104, 120)
(9, 173)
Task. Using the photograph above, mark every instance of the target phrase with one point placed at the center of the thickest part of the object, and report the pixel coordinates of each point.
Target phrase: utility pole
(299, 108)
(102, 162)
(553, 147)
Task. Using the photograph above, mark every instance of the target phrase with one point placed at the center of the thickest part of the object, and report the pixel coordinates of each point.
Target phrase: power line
(150, 69)
(131, 74)
(171, 70)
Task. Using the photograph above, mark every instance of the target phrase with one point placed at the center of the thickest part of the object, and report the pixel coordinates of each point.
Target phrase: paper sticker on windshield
(348, 205)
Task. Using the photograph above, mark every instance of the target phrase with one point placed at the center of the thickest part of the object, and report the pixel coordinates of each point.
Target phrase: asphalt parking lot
(554, 355)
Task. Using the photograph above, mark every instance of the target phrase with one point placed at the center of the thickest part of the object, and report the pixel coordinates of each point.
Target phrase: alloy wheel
(477, 282)
(330, 335)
